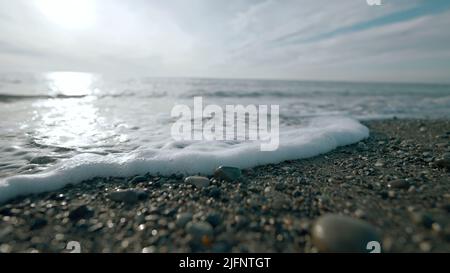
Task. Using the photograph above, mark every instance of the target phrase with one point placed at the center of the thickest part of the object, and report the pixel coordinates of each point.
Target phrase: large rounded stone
(81, 212)
(398, 184)
(443, 163)
(227, 173)
(126, 196)
(197, 181)
(336, 233)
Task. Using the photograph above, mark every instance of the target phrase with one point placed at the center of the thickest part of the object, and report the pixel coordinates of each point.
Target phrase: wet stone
(398, 184)
(81, 212)
(197, 181)
(227, 173)
(138, 179)
(443, 163)
(183, 219)
(127, 196)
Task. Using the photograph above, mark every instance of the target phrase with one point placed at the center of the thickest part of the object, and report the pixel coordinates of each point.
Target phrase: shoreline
(390, 180)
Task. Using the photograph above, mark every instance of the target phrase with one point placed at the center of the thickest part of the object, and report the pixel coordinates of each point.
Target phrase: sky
(349, 40)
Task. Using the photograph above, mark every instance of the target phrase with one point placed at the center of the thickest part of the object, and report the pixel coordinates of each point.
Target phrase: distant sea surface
(72, 126)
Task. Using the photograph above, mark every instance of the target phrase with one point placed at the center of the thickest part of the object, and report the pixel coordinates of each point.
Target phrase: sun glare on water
(68, 13)
(70, 83)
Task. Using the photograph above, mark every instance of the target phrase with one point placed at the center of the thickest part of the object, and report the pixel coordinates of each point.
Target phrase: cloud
(335, 40)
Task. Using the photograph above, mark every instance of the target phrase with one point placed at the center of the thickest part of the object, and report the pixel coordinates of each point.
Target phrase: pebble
(214, 219)
(81, 212)
(239, 216)
(379, 164)
(227, 173)
(5, 248)
(126, 196)
(391, 194)
(183, 219)
(443, 163)
(398, 184)
(197, 181)
(138, 179)
(200, 231)
(336, 233)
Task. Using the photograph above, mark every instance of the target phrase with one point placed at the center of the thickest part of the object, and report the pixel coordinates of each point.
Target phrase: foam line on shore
(317, 136)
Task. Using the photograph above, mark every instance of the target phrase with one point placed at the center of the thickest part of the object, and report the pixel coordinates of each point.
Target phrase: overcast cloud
(402, 40)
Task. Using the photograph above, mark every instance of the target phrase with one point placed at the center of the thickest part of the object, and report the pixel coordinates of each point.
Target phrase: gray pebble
(200, 230)
(197, 181)
(126, 196)
(336, 233)
(138, 179)
(183, 219)
(227, 173)
(214, 219)
(398, 184)
(443, 163)
(81, 212)
(379, 163)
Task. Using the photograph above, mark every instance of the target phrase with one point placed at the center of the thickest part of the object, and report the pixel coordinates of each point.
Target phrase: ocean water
(62, 127)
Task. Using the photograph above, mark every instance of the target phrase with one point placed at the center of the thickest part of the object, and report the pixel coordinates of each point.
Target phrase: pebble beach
(393, 187)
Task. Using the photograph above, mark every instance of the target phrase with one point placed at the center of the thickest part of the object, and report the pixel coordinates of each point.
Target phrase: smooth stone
(214, 219)
(336, 233)
(398, 184)
(183, 219)
(138, 179)
(81, 212)
(200, 230)
(443, 163)
(126, 196)
(379, 164)
(227, 173)
(197, 181)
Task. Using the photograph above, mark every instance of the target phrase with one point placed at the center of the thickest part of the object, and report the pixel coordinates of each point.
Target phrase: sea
(58, 128)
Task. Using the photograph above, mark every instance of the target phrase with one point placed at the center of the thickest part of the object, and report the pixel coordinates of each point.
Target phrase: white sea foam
(317, 136)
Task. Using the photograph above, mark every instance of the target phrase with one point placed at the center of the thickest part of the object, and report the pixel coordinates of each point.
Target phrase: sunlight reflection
(72, 119)
(71, 83)
(68, 122)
